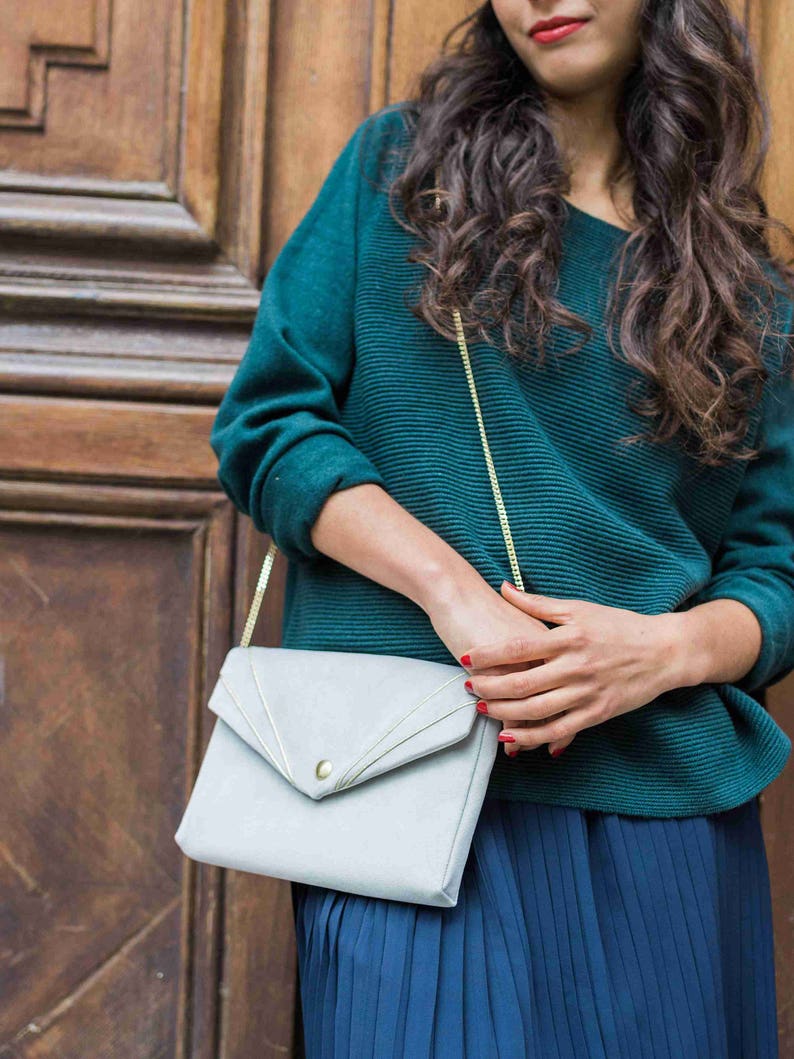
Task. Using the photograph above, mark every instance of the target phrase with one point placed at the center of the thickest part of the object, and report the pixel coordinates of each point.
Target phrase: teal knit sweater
(341, 385)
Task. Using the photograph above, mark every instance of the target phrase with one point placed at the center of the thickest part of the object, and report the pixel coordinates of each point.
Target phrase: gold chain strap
(267, 565)
(497, 492)
(259, 591)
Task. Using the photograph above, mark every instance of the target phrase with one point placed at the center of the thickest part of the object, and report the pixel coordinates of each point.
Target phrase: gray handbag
(356, 771)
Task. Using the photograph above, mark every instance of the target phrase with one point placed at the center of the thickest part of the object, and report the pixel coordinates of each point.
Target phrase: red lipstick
(548, 30)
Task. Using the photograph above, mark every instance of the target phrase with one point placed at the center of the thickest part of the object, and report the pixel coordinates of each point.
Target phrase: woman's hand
(475, 613)
(600, 662)
(468, 611)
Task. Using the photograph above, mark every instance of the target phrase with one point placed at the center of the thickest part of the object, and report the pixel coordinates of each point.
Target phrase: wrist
(444, 583)
(679, 652)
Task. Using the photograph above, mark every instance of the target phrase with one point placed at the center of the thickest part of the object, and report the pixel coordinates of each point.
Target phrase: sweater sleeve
(755, 560)
(281, 447)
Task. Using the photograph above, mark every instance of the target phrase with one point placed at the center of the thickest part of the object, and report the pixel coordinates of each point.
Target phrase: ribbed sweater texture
(341, 384)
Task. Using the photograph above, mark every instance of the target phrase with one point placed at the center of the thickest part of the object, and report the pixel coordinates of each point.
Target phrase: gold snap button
(323, 769)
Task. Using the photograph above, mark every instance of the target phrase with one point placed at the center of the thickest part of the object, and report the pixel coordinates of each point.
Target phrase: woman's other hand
(546, 685)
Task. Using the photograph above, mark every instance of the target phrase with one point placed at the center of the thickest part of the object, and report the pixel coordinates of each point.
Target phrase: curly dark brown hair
(695, 284)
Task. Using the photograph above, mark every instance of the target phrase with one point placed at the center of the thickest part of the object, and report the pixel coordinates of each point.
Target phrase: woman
(597, 178)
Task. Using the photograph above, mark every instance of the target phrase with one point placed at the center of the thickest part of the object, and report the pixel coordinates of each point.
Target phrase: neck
(586, 131)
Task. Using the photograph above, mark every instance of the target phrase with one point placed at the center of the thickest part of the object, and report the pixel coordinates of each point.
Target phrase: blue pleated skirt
(577, 935)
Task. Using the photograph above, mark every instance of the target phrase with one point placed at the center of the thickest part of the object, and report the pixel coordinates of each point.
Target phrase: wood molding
(84, 296)
(63, 218)
(52, 437)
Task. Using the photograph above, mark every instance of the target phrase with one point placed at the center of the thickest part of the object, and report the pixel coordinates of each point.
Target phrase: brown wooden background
(152, 160)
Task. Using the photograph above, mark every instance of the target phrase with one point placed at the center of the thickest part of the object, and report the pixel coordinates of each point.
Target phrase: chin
(567, 84)
(572, 75)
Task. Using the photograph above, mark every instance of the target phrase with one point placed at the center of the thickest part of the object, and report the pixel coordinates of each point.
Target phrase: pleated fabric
(577, 935)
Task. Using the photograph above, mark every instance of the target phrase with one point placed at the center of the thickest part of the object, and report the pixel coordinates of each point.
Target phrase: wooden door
(152, 160)
(770, 23)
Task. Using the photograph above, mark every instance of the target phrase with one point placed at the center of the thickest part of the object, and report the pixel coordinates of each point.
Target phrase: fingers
(519, 683)
(522, 648)
(547, 608)
(513, 749)
(558, 729)
(557, 747)
(533, 710)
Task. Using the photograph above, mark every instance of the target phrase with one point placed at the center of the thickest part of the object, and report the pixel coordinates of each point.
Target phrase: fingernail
(512, 753)
(558, 751)
(465, 660)
(482, 706)
(506, 737)
(510, 583)
(467, 685)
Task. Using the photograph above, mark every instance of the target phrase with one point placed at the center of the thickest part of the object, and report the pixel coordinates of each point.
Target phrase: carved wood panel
(119, 198)
(108, 634)
(74, 34)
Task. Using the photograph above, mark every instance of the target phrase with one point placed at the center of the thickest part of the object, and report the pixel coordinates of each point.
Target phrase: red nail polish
(465, 660)
(467, 685)
(506, 737)
(558, 751)
(512, 753)
(482, 706)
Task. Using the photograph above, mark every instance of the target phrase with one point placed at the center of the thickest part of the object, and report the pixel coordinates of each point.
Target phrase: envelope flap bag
(326, 720)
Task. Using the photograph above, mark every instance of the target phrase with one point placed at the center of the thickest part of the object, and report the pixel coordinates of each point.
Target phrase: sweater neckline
(595, 228)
